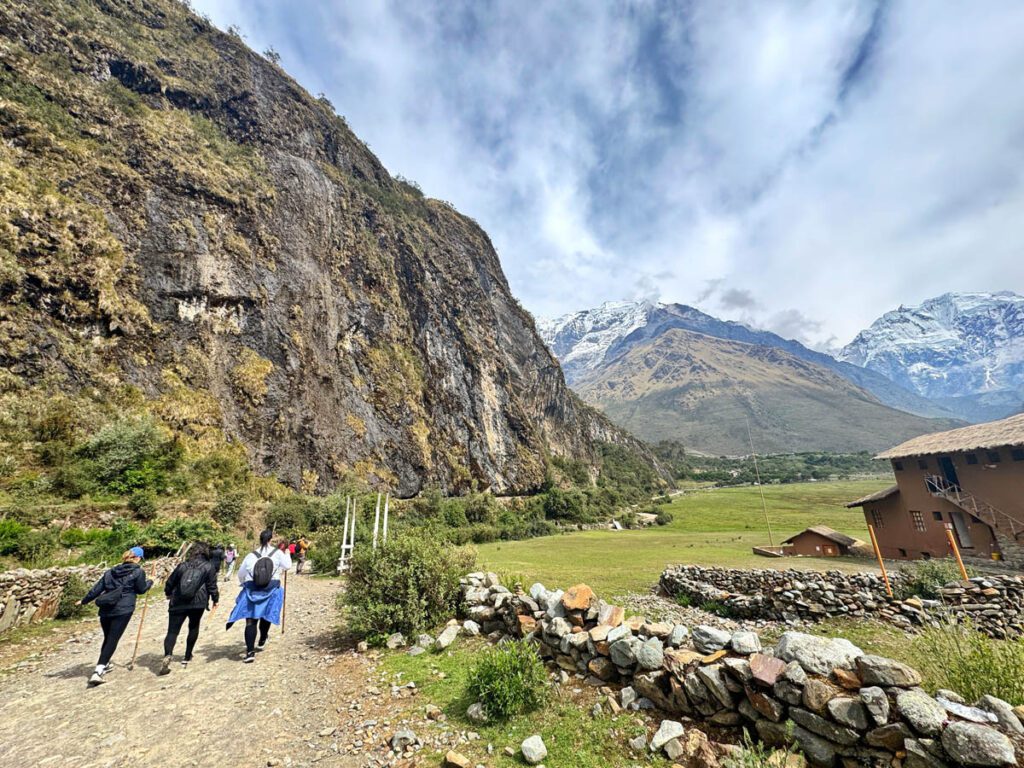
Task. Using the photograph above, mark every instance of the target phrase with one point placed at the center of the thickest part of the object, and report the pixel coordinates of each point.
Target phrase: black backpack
(191, 582)
(110, 596)
(262, 571)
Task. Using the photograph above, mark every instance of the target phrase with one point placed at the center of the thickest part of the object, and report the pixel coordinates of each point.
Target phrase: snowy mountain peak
(581, 340)
(952, 346)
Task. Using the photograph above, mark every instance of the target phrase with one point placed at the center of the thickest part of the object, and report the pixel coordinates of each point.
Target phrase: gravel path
(282, 710)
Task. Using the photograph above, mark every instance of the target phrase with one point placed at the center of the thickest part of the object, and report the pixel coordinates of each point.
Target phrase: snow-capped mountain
(581, 340)
(584, 342)
(965, 350)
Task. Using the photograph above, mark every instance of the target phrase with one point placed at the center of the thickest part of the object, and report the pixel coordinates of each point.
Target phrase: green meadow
(709, 527)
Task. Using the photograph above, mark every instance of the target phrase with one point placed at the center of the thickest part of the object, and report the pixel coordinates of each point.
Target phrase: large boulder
(651, 654)
(877, 670)
(708, 639)
(533, 750)
(925, 714)
(973, 744)
(668, 730)
(817, 655)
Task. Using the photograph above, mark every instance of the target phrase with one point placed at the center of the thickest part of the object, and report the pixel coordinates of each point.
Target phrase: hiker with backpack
(216, 557)
(230, 555)
(301, 546)
(261, 597)
(191, 588)
(115, 595)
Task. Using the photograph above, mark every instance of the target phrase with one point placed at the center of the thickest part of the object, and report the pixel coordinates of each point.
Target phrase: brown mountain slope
(182, 224)
(702, 390)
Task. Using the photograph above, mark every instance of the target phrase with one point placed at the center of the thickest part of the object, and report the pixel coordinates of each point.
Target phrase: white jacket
(282, 562)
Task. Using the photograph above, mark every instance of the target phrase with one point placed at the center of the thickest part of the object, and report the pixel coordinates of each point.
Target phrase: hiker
(230, 554)
(260, 599)
(300, 551)
(216, 557)
(191, 588)
(115, 595)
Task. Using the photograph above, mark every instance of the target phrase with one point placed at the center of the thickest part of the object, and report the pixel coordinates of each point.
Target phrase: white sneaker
(96, 679)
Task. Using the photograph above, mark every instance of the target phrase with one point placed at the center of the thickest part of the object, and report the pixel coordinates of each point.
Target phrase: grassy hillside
(715, 527)
(702, 391)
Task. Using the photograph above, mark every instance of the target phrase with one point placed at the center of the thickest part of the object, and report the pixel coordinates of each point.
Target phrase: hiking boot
(96, 679)
(165, 668)
(262, 642)
(184, 663)
(250, 657)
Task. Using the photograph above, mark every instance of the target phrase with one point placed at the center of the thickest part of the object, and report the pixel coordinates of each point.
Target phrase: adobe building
(971, 479)
(819, 541)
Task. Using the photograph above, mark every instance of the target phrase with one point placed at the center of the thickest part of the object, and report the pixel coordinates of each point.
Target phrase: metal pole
(878, 554)
(352, 531)
(956, 550)
(376, 522)
(387, 499)
(344, 538)
(757, 474)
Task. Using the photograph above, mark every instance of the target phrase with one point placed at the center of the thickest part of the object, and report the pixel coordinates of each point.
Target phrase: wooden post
(344, 538)
(956, 550)
(376, 522)
(284, 602)
(142, 620)
(387, 499)
(352, 529)
(878, 554)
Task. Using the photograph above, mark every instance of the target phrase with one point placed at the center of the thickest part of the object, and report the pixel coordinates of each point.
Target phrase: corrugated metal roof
(876, 496)
(993, 434)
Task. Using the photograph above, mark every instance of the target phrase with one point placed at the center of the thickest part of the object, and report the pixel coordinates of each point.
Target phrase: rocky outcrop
(184, 221)
(994, 604)
(839, 705)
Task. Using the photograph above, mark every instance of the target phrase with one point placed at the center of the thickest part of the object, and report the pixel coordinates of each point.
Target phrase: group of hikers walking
(192, 590)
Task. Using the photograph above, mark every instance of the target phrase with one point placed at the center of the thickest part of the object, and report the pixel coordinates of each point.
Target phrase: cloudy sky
(803, 166)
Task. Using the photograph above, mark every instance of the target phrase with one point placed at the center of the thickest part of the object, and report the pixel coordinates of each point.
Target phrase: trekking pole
(138, 635)
(284, 602)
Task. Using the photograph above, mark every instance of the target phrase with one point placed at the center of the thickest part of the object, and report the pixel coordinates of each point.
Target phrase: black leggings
(113, 628)
(250, 633)
(174, 623)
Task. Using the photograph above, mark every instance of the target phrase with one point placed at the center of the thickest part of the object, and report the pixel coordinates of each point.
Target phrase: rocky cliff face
(179, 218)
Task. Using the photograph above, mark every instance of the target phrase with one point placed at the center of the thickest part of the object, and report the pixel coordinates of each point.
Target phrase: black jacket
(203, 595)
(216, 557)
(133, 582)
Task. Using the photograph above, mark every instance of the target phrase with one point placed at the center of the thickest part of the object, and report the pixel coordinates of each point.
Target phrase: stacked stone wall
(841, 706)
(995, 604)
(33, 595)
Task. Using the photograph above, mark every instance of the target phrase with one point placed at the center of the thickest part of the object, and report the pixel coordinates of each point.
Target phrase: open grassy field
(713, 527)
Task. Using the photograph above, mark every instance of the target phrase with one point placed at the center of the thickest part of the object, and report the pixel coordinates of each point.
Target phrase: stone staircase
(1008, 531)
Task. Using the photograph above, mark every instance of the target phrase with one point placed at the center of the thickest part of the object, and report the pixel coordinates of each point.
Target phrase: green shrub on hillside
(927, 577)
(962, 659)
(325, 549)
(35, 546)
(509, 680)
(228, 508)
(73, 591)
(142, 503)
(11, 534)
(407, 586)
(664, 518)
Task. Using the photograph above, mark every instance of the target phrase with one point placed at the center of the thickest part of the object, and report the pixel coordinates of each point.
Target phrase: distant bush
(11, 534)
(35, 546)
(508, 680)
(228, 508)
(143, 504)
(325, 550)
(297, 514)
(926, 577)
(73, 591)
(125, 456)
(664, 518)
(962, 659)
(407, 586)
(684, 600)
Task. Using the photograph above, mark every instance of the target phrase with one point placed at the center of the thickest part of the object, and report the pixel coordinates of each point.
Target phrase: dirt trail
(218, 711)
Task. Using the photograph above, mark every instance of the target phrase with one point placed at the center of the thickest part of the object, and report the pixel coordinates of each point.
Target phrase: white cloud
(826, 160)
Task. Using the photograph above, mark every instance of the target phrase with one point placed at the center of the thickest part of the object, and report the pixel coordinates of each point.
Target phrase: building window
(922, 464)
(918, 519)
(937, 516)
(993, 457)
(972, 458)
(1017, 454)
(876, 518)
(898, 466)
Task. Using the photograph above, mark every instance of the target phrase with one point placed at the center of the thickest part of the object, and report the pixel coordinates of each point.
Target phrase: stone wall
(994, 603)
(838, 704)
(33, 595)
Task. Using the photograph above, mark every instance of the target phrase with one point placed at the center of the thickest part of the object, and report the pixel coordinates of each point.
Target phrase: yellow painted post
(878, 554)
(956, 550)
